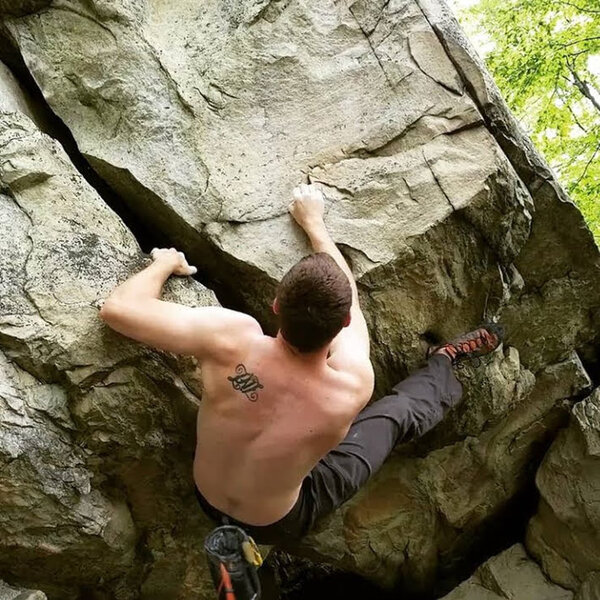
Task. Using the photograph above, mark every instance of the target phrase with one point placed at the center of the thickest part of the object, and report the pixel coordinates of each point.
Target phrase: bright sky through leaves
(545, 58)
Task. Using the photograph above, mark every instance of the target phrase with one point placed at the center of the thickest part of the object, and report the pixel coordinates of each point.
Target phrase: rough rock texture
(202, 117)
(511, 575)
(590, 590)
(96, 433)
(420, 515)
(552, 277)
(11, 96)
(8, 592)
(565, 533)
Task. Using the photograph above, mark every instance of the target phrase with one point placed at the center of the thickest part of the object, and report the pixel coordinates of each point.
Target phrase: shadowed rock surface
(201, 118)
(564, 535)
(421, 515)
(511, 575)
(96, 432)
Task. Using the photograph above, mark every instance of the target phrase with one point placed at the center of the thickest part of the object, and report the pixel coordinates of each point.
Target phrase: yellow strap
(251, 552)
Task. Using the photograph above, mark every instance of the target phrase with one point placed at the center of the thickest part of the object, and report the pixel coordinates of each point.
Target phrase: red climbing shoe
(471, 345)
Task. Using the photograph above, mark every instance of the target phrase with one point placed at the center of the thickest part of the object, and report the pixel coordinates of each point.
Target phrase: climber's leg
(414, 407)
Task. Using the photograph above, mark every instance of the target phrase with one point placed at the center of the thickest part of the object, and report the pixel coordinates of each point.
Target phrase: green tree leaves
(546, 61)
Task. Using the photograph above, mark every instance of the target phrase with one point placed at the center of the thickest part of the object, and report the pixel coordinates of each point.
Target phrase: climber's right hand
(308, 206)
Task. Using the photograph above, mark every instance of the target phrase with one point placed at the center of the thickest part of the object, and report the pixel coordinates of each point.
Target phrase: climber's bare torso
(268, 413)
(267, 416)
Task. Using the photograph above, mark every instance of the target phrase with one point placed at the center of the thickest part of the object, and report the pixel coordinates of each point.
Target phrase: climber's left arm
(134, 309)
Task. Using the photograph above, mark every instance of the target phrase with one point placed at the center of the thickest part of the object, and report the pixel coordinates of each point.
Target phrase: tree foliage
(546, 61)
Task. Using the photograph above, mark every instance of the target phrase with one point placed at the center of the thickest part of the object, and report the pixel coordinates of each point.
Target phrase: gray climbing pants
(415, 406)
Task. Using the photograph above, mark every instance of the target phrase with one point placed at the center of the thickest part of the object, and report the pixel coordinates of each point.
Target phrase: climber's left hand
(177, 260)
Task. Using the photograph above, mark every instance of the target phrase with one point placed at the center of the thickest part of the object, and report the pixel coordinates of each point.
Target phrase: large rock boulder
(96, 432)
(204, 118)
(511, 575)
(552, 263)
(565, 533)
(201, 117)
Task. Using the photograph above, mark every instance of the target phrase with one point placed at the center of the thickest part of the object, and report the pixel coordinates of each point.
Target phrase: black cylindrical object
(234, 577)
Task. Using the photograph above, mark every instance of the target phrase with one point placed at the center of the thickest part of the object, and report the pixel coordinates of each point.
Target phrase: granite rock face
(202, 117)
(205, 118)
(8, 592)
(554, 263)
(511, 575)
(565, 533)
(96, 433)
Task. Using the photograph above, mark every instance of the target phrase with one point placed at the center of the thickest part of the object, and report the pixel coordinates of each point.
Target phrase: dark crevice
(51, 124)
(149, 220)
(300, 578)
(590, 358)
(496, 534)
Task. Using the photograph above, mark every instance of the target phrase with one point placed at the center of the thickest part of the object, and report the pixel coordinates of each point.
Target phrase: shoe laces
(463, 348)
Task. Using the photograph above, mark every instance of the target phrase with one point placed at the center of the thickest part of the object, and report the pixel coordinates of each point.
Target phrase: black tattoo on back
(245, 382)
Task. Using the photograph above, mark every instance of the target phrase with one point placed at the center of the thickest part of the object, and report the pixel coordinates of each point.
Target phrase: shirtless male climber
(283, 435)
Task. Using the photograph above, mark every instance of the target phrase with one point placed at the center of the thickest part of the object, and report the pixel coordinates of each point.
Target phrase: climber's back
(268, 415)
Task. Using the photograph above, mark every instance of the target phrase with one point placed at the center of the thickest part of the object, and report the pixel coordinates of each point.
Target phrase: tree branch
(576, 119)
(580, 8)
(587, 166)
(587, 39)
(582, 86)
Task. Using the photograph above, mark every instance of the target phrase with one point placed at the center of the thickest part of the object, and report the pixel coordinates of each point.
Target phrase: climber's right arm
(349, 350)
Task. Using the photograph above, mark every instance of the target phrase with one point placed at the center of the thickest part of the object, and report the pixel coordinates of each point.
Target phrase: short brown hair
(314, 300)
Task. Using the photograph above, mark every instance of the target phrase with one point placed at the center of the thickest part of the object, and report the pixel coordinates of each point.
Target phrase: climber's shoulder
(222, 332)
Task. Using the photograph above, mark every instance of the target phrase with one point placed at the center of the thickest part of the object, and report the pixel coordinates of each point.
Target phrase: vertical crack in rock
(415, 41)
(147, 231)
(378, 20)
(373, 49)
(436, 179)
(26, 281)
(53, 125)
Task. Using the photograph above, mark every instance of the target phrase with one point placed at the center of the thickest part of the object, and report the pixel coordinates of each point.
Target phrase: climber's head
(313, 302)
